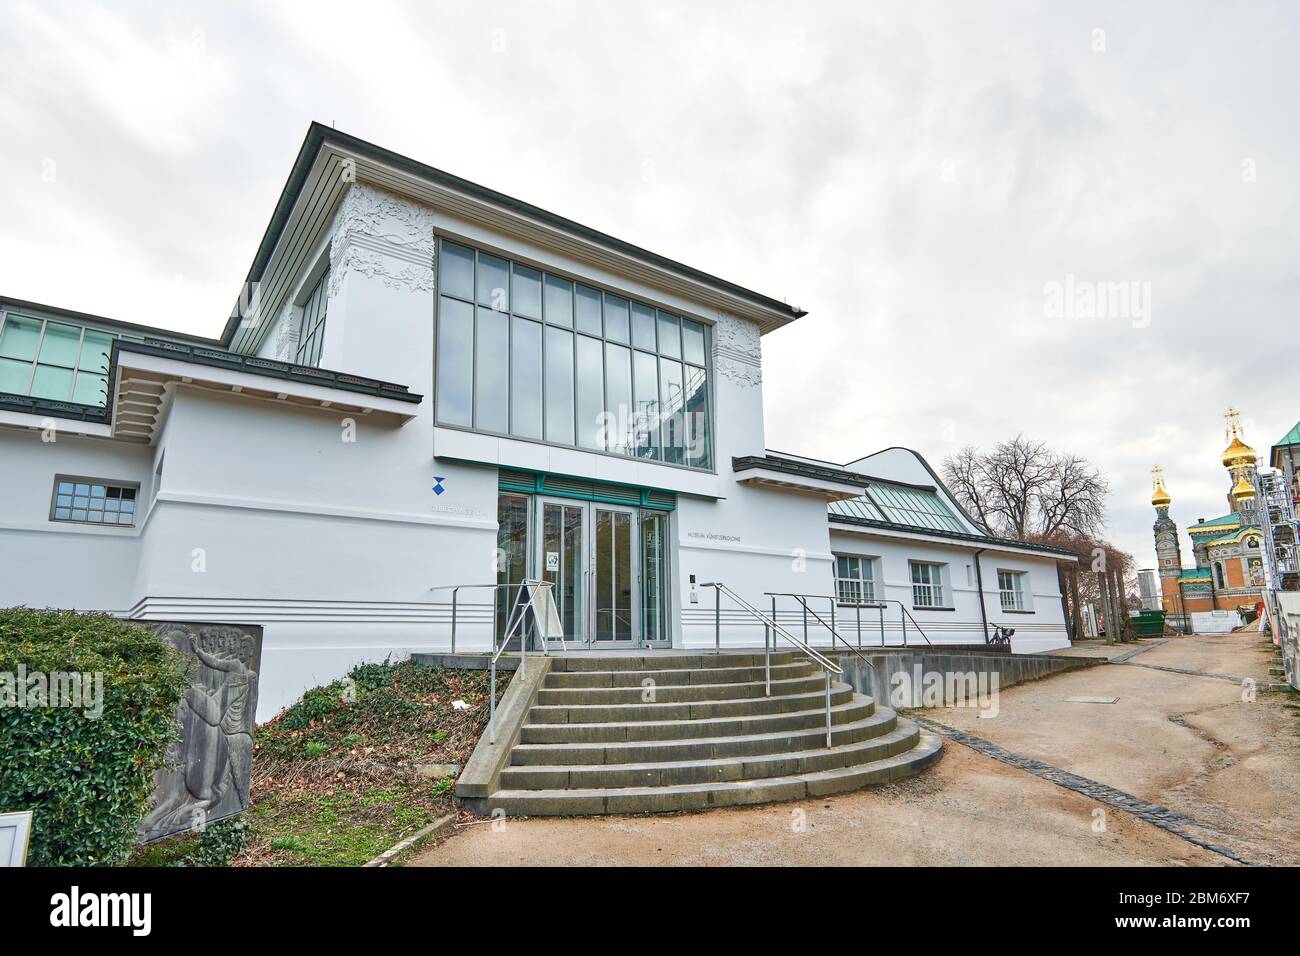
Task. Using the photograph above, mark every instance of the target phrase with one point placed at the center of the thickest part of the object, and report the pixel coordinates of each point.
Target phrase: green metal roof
(1219, 538)
(1222, 520)
(1194, 573)
(899, 505)
(1290, 438)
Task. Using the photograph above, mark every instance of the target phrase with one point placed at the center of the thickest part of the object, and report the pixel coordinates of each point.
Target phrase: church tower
(1239, 458)
(1169, 556)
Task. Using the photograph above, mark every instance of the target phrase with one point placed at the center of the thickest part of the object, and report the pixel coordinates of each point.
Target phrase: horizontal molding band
(325, 511)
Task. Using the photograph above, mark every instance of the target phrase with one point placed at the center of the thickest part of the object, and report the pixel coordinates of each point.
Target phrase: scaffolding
(1277, 519)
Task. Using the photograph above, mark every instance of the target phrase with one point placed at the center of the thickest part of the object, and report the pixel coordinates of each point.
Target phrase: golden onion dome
(1242, 490)
(1238, 453)
(1161, 497)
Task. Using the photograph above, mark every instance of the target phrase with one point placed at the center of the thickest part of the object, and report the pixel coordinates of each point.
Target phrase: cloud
(914, 174)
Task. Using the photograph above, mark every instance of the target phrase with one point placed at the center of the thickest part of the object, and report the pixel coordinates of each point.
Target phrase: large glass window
(45, 358)
(522, 352)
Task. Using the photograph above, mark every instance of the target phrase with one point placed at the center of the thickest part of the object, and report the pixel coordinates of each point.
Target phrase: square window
(20, 337)
(60, 344)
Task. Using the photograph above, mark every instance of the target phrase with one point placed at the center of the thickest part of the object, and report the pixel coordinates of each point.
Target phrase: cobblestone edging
(1259, 684)
(1121, 658)
(1163, 817)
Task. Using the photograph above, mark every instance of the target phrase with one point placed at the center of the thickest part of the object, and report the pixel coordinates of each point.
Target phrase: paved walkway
(1224, 770)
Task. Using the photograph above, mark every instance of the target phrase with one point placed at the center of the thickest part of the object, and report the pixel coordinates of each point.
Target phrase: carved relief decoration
(382, 236)
(737, 354)
(212, 763)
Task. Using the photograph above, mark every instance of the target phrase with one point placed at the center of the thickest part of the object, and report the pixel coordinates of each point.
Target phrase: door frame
(634, 568)
(537, 559)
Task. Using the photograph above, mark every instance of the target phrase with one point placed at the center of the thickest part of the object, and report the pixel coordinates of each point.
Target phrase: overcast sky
(922, 178)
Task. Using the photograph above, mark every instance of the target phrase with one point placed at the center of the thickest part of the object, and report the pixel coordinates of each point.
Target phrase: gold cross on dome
(1233, 417)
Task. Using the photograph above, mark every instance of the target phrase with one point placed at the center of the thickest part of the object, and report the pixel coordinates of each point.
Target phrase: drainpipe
(979, 583)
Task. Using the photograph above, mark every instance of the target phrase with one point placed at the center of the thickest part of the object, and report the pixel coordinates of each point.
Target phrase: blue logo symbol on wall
(437, 485)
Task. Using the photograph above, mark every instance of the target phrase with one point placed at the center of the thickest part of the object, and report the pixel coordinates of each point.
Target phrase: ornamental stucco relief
(286, 334)
(382, 236)
(737, 354)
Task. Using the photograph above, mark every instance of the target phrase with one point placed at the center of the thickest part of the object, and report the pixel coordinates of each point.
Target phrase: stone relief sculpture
(382, 236)
(737, 353)
(212, 771)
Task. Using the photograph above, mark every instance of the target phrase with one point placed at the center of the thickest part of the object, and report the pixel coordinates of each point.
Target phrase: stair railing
(516, 619)
(771, 627)
(803, 600)
(904, 615)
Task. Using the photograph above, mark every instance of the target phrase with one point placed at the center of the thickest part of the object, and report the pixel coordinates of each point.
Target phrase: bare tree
(1023, 489)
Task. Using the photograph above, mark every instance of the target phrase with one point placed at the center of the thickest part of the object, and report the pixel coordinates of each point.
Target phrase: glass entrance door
(564, 562)
(615, 575)
(609, 567)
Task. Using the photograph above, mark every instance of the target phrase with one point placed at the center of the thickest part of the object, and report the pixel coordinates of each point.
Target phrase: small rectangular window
(855, 580)
(1013, 591)
(93, 501)
(927, 584)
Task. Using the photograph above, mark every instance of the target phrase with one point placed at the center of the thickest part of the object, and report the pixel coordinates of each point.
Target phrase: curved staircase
(689, 732)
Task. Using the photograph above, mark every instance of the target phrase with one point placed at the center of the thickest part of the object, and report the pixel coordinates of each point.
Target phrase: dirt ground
(1188, 743)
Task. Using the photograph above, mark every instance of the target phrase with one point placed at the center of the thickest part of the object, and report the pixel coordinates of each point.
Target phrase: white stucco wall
(1042, 628)
(266, 513)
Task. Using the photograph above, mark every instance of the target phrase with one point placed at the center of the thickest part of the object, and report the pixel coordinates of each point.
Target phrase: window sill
(1007, 610)
(922, 607)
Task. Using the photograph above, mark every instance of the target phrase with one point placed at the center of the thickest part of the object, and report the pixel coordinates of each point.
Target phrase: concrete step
(606, 731)
(677, 676)
(561, 696)
(595, 661)
(668, 773)
(686, 710)
(702, 796)
(881, 721)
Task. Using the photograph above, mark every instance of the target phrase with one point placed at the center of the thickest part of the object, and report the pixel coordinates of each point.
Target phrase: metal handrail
(835, 635)
(455, 591)
(505, 641)
(904, 615)
(769, 623)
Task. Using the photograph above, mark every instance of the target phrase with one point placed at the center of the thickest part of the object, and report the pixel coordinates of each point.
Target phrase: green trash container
(1149, 623)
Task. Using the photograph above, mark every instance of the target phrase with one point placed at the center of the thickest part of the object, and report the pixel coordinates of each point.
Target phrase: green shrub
(88, 779)
(222, 842)
(316, 704)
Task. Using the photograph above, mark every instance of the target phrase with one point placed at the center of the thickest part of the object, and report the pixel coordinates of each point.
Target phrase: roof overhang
(330, 159)
(965, 542)
(802, 477)
(784, 481)
(144, 381)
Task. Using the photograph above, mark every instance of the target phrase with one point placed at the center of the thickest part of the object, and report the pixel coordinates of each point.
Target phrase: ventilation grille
(579, 489)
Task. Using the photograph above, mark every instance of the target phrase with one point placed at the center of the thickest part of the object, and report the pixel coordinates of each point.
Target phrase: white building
(570, 406)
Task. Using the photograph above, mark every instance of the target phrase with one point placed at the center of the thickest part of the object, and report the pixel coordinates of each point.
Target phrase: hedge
(88, 777)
